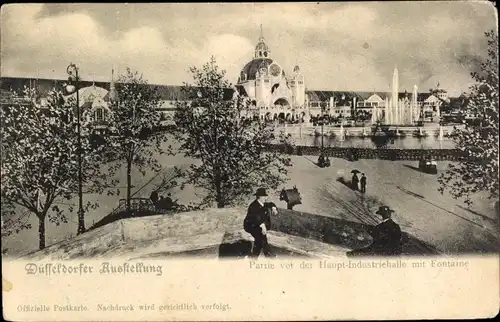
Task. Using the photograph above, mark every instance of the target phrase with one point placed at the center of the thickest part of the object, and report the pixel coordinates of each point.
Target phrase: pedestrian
(354, 181)
(154, 197)
(387, 237)
(257, 222)
(362, 181)
(168, 202)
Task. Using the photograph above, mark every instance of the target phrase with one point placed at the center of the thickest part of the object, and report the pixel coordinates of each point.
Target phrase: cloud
(339, 46)
(55, 41)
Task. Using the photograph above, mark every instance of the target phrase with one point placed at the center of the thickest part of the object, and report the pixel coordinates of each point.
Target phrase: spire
(262, 50)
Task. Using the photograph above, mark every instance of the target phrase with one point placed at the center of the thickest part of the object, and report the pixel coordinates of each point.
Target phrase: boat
(378, 133)
(420, 133)
(398, 134)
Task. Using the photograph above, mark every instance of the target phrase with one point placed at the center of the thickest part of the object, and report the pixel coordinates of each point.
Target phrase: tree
(12, 221)
(136, 126)
(478, 170)
(39, 162)
(217, 127)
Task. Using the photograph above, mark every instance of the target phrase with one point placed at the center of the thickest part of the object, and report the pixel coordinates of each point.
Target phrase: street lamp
(71, 87)
(321, 158)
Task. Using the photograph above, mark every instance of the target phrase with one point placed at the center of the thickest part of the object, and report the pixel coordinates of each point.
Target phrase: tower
(262, 50)
(298, 88)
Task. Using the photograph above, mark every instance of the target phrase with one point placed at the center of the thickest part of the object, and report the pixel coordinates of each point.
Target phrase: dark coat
(387, 238)
(256, 216)
(362, 181)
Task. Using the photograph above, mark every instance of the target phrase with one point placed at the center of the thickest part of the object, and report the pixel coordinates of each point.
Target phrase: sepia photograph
(249, 134)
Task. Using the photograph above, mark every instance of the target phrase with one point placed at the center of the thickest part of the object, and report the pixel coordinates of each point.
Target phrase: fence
(365, 153)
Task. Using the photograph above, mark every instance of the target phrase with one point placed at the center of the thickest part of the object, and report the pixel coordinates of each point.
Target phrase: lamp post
(321, 158)
(72, 86)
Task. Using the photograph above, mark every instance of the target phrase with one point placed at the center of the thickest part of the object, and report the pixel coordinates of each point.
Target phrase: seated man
(387, 237)
(258, 221)
(165, 203)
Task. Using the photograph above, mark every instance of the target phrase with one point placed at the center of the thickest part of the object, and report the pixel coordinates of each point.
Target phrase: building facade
(273, 94)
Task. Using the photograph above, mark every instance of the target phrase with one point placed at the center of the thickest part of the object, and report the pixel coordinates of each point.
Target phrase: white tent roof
(89, 94)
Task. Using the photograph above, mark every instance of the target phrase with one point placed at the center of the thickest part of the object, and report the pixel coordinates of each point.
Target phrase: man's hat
(384, 210)
(261, 192)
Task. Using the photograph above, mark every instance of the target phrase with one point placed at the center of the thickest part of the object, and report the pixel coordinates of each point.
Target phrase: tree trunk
(129, 184)
(218, 189)
(41, 232)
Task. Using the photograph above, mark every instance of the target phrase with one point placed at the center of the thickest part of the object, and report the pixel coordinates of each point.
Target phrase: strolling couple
(355, 181)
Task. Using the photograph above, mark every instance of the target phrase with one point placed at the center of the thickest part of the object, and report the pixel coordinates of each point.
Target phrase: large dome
(250, 70)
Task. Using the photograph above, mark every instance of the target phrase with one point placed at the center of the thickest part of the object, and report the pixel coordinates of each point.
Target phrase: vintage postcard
(249, 161)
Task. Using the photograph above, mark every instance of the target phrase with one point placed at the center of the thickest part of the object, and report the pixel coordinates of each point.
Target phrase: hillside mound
(217, 233)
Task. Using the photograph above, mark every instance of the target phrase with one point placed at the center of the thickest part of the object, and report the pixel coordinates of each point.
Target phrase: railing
(365, 153)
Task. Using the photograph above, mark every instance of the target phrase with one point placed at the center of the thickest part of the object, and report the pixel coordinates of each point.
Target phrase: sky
(338, 46)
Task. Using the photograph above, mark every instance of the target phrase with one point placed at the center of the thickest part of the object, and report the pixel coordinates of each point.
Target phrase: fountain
(441, 134)
(395, 101)
(414, 104)
(364, 134)
(386, 111)
(341, 135)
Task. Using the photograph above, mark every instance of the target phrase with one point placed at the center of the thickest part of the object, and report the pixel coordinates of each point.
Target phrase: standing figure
(257, 222)
(362, 181)
(354, 182)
